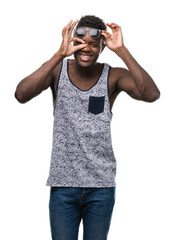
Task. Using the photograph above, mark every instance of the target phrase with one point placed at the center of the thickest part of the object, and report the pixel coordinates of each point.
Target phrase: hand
(67, 48)
(113, 41)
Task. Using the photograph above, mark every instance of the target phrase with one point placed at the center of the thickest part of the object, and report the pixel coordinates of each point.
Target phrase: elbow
(152, 97)
(20, 96)
(155, 96)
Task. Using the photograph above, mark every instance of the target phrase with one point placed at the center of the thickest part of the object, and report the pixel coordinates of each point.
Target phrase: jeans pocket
(96, 104)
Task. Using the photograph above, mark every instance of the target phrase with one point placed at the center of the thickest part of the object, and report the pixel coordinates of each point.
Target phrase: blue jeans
(69, 205)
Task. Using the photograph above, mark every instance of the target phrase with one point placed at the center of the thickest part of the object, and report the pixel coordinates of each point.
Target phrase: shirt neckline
(86, 90)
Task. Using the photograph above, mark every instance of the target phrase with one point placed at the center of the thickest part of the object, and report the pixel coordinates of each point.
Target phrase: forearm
(38, 81)
(143, 81)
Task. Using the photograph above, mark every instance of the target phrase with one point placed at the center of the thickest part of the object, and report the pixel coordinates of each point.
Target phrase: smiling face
(88, 55)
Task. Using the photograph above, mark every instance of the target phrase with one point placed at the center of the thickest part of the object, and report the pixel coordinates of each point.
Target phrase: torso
(87, 82)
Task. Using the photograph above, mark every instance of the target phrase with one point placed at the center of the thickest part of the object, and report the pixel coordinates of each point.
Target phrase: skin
(84, 70)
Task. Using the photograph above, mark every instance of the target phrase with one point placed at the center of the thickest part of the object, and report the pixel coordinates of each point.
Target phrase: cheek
(97, 50)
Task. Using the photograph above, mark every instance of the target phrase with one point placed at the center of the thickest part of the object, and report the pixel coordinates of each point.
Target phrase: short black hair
(91, 21)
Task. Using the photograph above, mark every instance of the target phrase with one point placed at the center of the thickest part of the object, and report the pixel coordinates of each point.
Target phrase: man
(83, 165)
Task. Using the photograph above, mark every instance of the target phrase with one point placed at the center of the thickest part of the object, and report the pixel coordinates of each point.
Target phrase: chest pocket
(96, 104)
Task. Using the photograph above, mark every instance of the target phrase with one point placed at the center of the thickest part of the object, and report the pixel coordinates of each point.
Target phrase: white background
(143, 133)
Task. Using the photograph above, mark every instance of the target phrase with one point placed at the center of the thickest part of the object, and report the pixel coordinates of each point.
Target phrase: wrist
(121, 51)
(60, 55)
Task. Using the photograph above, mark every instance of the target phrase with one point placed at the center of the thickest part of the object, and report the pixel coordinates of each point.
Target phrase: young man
(83, 165)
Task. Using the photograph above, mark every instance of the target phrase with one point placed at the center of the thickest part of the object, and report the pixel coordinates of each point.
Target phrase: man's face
(88, 55)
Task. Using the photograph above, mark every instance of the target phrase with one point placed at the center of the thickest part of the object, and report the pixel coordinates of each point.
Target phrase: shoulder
(116, 73)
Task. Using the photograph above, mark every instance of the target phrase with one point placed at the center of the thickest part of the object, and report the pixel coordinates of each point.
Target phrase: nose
(86, 48)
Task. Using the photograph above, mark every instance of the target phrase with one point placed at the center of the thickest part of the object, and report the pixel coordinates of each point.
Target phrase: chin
(84, 64)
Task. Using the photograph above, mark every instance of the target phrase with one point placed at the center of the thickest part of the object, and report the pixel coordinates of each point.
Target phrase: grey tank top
(82, 154)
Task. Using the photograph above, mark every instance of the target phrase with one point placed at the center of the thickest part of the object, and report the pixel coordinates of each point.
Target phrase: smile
(85, 57)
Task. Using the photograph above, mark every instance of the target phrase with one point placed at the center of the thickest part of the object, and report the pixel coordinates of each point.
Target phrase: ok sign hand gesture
(67, 48)
(113, 41)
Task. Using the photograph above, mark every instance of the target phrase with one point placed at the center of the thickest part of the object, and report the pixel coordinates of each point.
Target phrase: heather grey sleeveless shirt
(82, 154)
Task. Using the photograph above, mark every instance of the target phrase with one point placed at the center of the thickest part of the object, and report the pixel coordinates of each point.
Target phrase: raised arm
(135, 81)
(43, 77)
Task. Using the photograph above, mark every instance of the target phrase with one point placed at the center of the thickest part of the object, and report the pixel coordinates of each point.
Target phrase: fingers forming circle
(77, 39)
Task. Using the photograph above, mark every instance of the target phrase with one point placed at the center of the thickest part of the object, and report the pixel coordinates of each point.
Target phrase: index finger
(112, 25)
(76, 39)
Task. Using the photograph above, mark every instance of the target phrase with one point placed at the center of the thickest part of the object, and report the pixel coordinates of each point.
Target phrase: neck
(85, 71)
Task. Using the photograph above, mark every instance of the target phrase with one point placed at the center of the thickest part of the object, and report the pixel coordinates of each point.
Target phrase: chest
(83, 84)
(86, 83)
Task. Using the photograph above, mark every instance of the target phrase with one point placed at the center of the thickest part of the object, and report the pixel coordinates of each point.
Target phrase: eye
(95, 45)
(77, 43)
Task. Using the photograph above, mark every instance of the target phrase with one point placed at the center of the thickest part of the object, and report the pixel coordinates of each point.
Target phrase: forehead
(87, 27)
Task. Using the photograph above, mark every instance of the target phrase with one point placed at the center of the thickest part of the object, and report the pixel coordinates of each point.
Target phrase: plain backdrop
(143, 134)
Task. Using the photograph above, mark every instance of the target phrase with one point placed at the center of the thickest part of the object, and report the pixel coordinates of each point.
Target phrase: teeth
(85, 57)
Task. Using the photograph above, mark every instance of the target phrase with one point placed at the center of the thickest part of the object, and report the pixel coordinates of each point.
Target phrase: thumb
(106, 34)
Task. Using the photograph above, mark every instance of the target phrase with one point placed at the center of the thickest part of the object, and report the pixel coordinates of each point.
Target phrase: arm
(135, 81)
(38, 81)
(43, 77)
